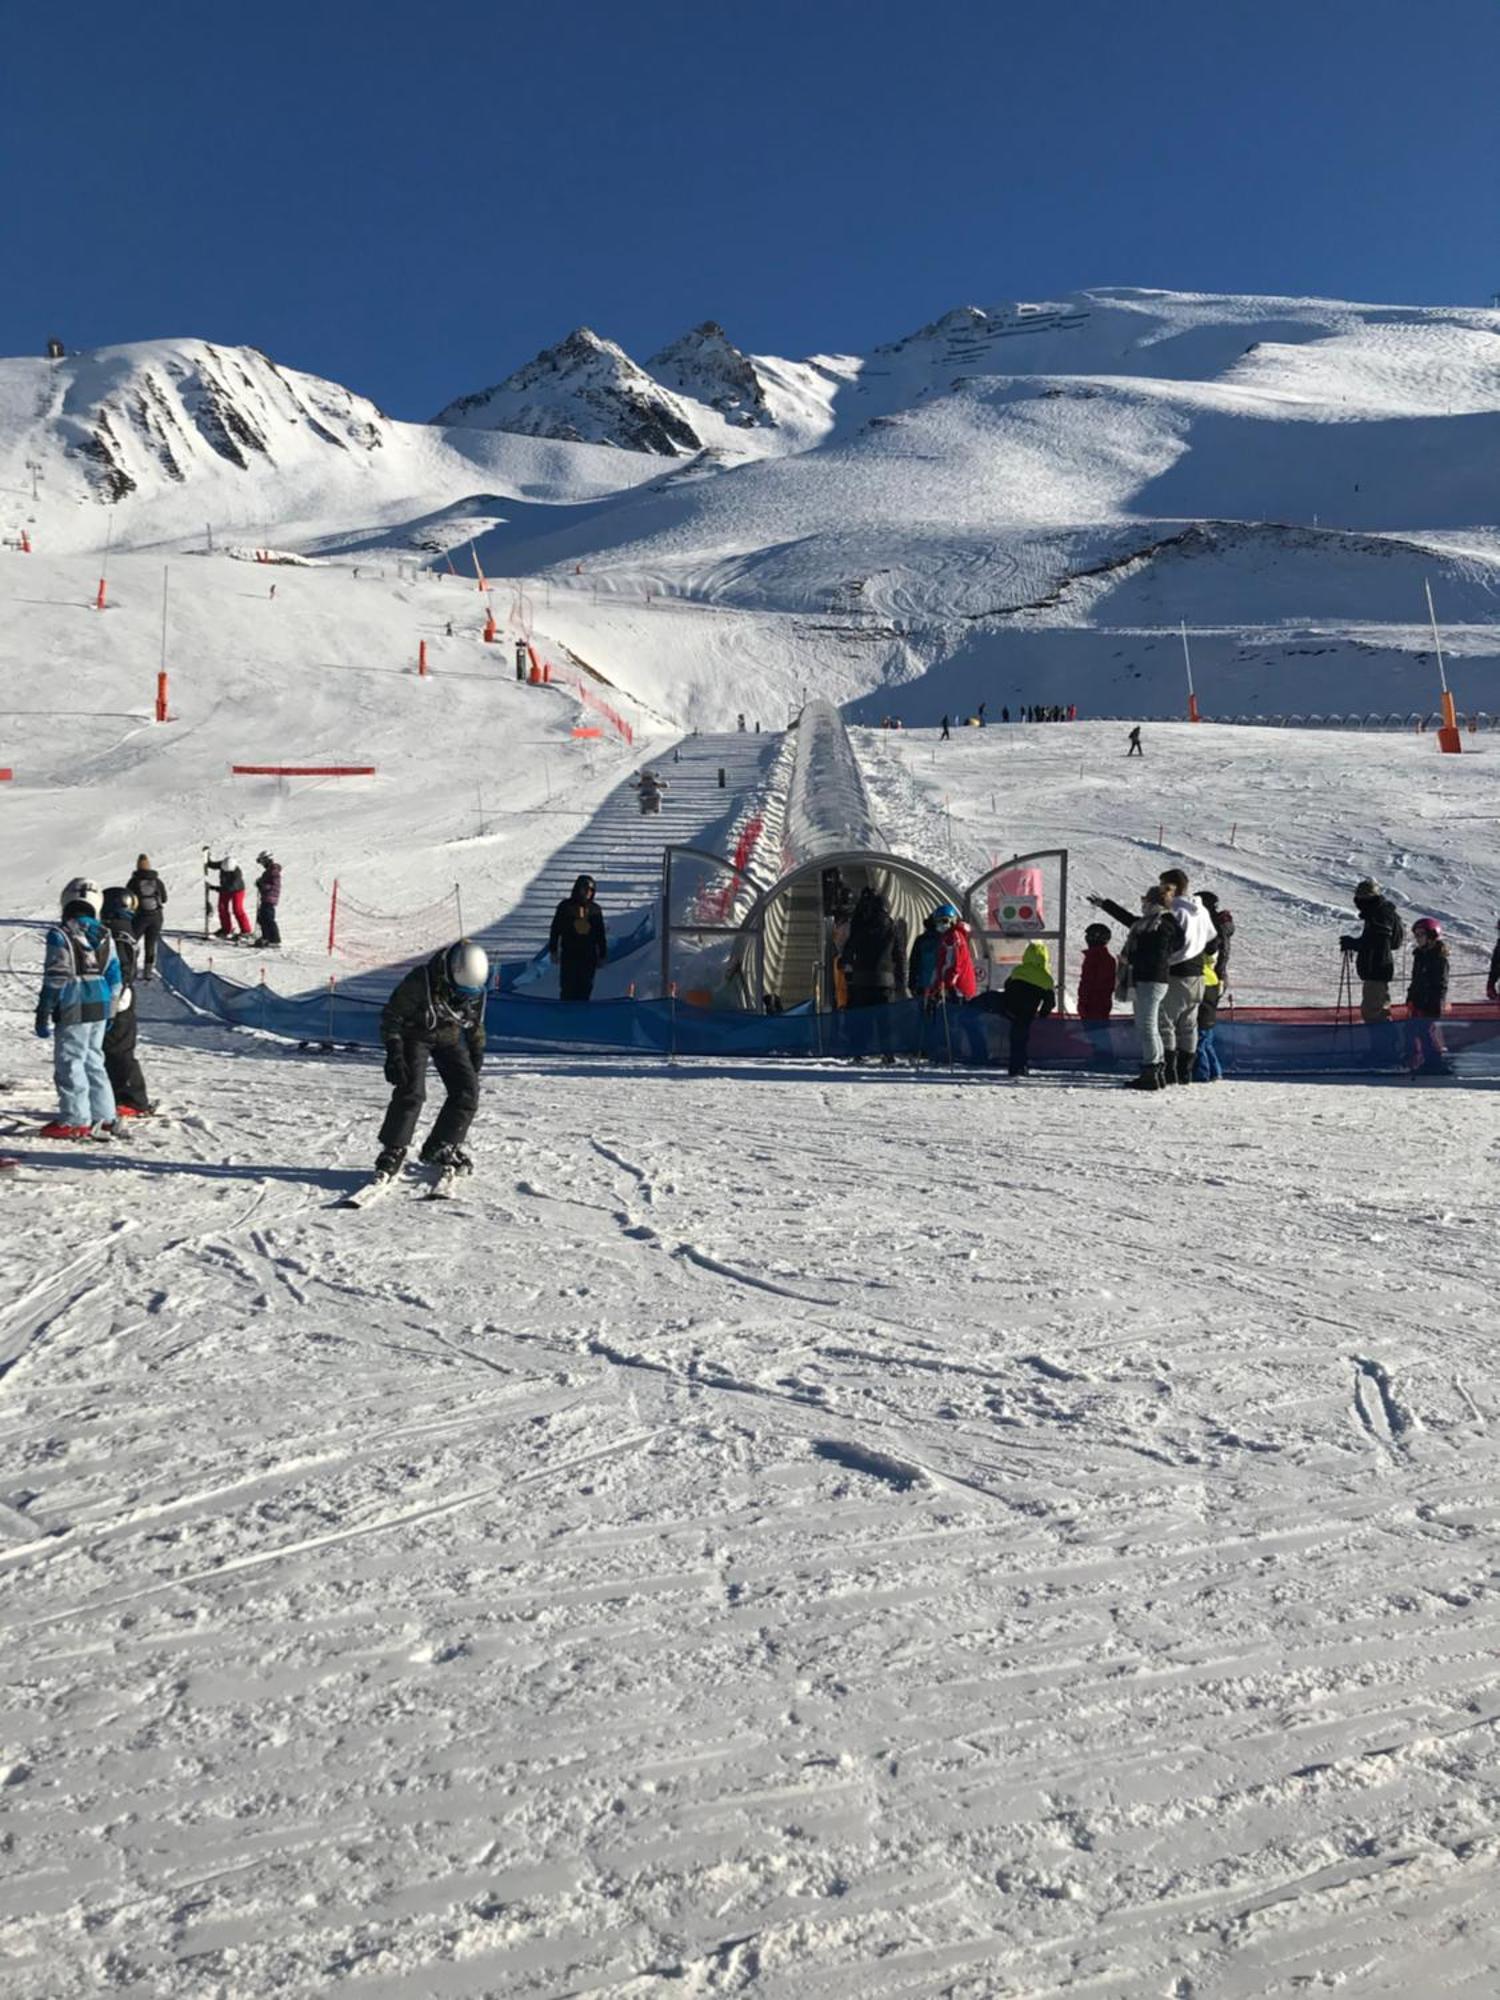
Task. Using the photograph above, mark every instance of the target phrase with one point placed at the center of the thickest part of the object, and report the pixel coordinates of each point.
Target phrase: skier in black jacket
(1375, 949)
(577, 944)
(1492, 985)
(874, 963)
(1426, 998)
(119, 913)
(438, 1011)
(150, 894)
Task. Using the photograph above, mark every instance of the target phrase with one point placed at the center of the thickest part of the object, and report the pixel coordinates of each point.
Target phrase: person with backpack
(577, 944)
(436, 1011)
(1030, 991)
(267, 899)
(1426, 1000)
(80, 978)
(1374, 947)
(150, 894)
(126, 1077)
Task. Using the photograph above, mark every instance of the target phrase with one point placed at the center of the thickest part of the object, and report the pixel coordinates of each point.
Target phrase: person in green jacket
(1029, 992)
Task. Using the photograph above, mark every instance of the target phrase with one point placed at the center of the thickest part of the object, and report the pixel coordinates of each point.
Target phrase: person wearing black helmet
(150, 894)
(1374, 948)
(127, 1079)
(577, 944)
(438, 1011)
(267, 897)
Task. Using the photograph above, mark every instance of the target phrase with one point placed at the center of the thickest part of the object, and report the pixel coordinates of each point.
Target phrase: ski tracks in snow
(857, 1543)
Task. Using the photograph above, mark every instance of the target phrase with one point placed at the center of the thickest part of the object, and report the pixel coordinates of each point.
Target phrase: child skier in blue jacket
(80, 979)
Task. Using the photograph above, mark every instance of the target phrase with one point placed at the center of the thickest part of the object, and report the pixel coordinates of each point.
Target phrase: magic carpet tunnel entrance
(737, 938)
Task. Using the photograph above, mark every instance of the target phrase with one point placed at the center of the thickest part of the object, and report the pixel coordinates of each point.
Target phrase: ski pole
(947, 1031)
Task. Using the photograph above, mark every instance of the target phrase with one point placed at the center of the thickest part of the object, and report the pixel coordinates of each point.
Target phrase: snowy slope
(787, 1530)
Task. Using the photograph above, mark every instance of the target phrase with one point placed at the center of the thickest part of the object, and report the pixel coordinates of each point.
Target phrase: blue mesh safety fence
(964, 1035)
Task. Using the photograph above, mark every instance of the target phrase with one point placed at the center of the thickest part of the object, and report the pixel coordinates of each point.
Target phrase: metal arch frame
(974, 908)
(855, 857)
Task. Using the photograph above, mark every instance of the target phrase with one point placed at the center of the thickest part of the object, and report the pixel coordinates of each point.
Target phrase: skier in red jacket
(1096, 991)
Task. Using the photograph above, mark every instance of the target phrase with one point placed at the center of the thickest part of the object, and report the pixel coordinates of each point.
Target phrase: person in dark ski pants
(80, 979)
(1030, 991)
(874, 966)
(1492, 985)
(126, 1077)
(437, 1011)
(267, 897)
(150, 894)
(577, 944)
(1134, 740)
(946, 732)
(1374, 947)
(1426, 999)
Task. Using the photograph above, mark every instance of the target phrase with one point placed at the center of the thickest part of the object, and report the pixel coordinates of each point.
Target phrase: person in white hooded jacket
(1179, 1012)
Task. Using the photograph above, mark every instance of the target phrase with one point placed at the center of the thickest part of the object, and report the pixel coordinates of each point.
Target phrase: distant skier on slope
(80, 978)
(150, 894)
(577, 944)
(438, 1011)
(126, 1077)
(1134, 740)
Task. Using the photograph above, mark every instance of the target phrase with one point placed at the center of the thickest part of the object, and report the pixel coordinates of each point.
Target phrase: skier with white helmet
(437, 1010)
(80, 979)
(231, 890)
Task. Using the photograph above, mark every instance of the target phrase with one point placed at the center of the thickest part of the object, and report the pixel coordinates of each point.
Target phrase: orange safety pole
(99, 600)
(422, 658)
(1193, 715)
(25, 543)
(161, 696)
(490, 627)
(333, 916)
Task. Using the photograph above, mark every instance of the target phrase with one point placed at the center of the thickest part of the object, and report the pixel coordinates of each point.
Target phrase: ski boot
(389, 1162)
(448, 1160)
(56, 1129)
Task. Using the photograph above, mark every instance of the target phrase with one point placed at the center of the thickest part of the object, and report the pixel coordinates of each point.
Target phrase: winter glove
(1349, 944)
(395, 1064)
(43, 1026)
(124, 1001)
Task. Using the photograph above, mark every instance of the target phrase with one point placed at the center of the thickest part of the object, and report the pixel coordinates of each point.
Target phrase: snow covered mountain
(586, 391)
(706, 365)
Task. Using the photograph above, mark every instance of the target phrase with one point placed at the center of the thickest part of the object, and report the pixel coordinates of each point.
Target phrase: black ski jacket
(874, 954)
(1494, 979)
(1149, 948)
(1427, 992)
(424, 1008)
(231, 880)
(1376, 945)
(149, 890)
(126, 949)
(577, 933)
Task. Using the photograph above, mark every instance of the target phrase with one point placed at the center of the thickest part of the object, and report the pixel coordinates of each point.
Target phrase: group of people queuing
(101, 947)
(1032, 711)
(1170, 971)
(875, 969)
(226, 879)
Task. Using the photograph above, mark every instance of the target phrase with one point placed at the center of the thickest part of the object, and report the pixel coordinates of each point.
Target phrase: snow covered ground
(785, 1529)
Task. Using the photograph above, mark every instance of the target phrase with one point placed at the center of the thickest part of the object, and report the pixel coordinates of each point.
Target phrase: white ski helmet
(468, 967)
(82, 890)
(229, 862)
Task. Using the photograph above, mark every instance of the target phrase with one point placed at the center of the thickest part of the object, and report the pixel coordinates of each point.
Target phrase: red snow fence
(302, 770)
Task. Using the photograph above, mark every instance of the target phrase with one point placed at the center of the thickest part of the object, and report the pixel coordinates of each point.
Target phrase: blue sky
(414, 201)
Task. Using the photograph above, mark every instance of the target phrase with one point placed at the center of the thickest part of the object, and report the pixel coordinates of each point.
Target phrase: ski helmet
(82, 890)
(944, 916)
(1430, 925)
(264, 856)
(467, 966)
(1365, 888)
(118, 903)
(1097, 933)
(229, 862)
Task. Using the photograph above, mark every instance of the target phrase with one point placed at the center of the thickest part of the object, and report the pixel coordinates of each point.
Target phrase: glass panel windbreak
(1023, 900)
(711, 968)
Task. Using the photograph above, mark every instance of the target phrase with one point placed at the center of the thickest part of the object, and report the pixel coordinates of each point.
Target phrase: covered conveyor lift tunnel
(736, 938)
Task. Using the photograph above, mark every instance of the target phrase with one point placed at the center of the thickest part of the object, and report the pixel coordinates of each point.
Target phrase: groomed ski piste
(780, 1527)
